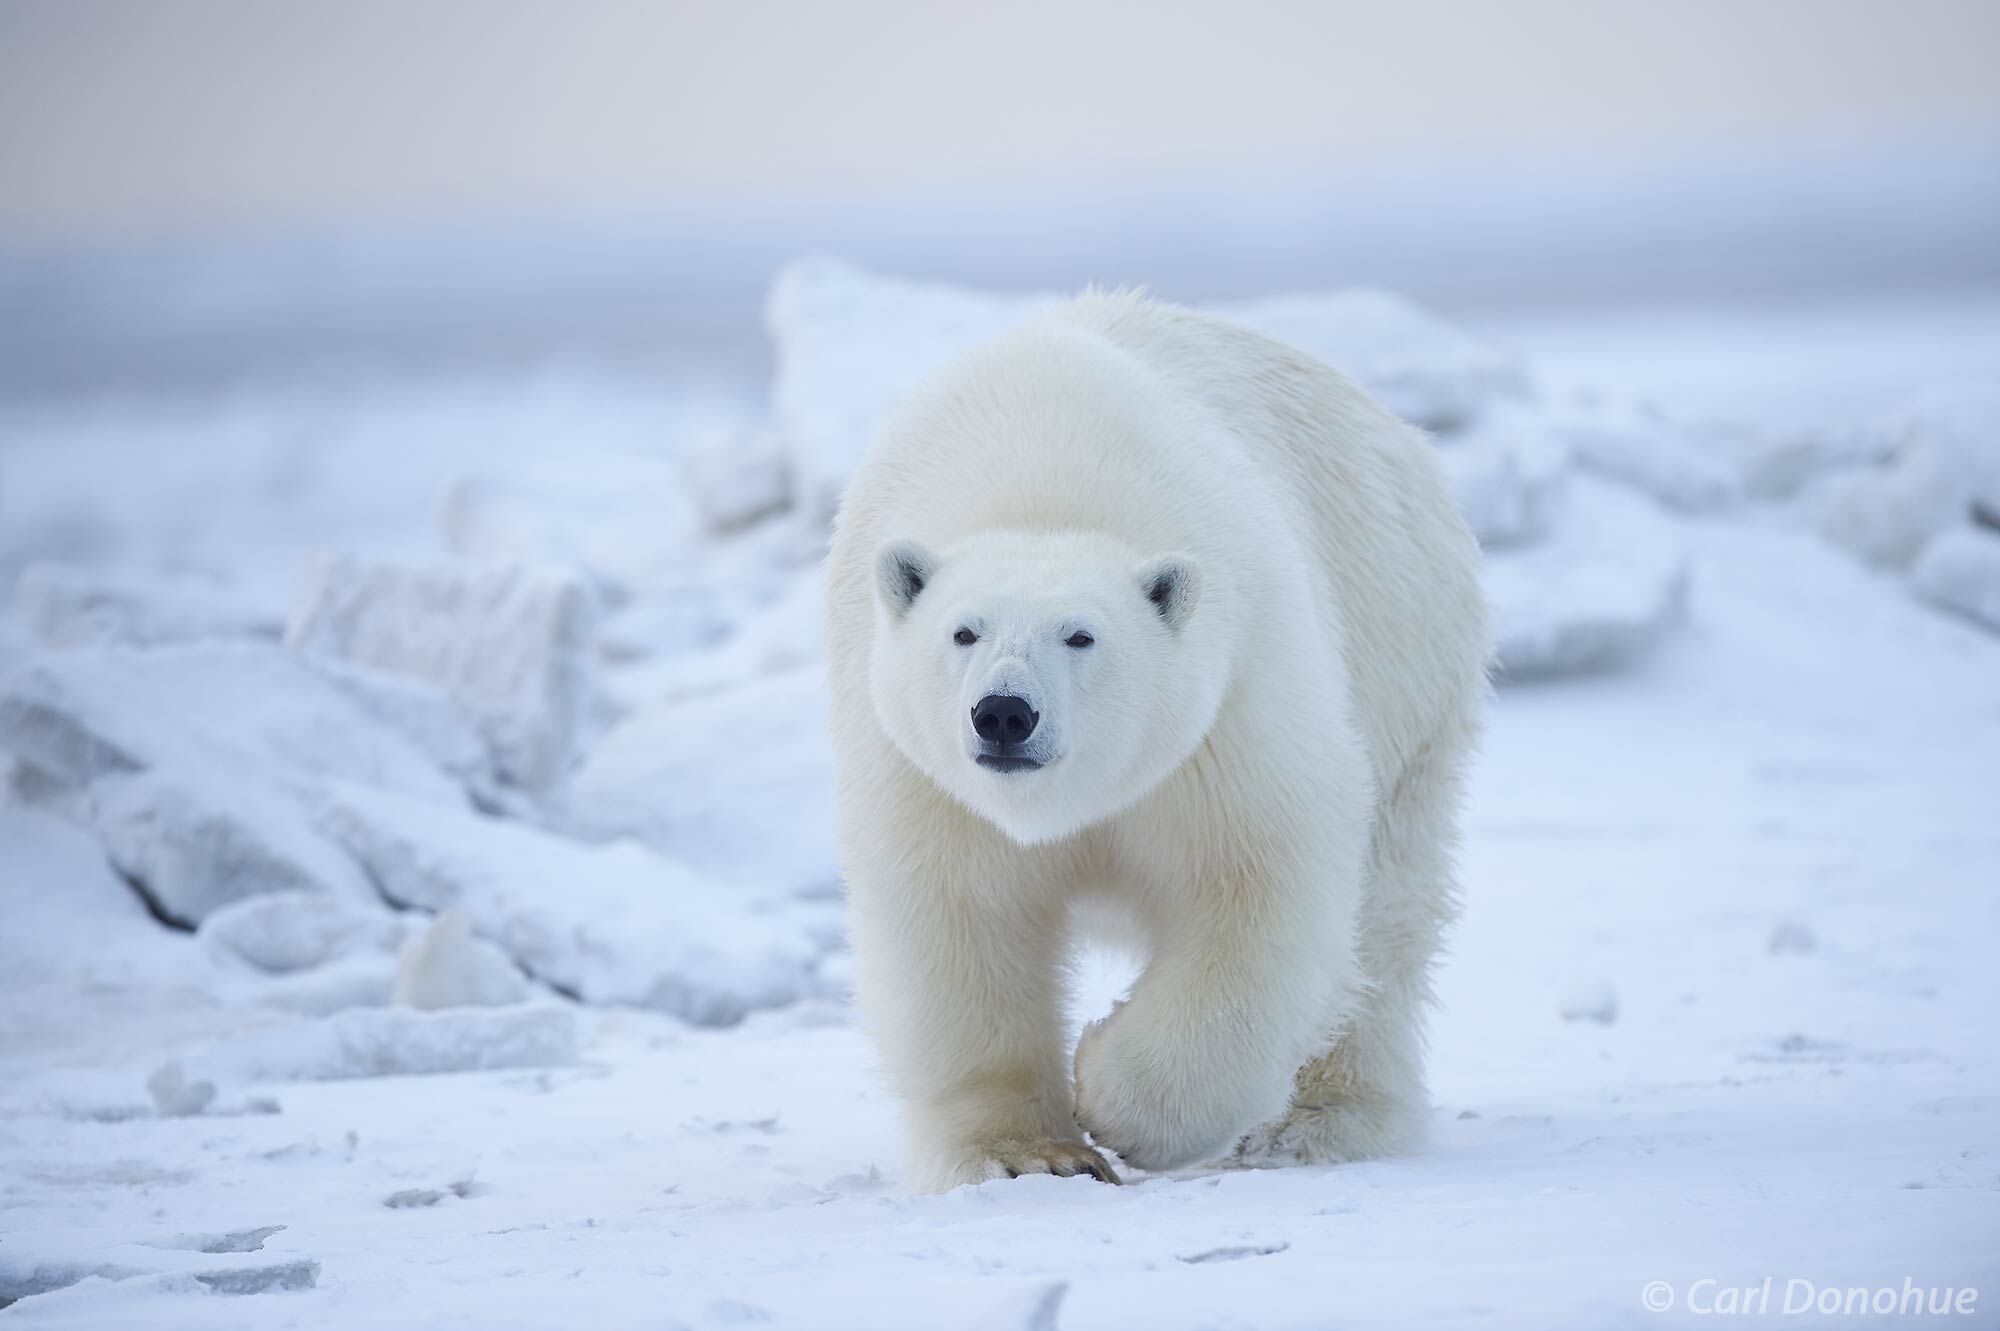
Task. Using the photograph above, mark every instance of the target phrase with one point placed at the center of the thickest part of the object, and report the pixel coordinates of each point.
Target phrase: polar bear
(1136, 615)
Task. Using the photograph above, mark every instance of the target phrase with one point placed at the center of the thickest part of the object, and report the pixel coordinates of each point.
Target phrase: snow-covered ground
(475, 724)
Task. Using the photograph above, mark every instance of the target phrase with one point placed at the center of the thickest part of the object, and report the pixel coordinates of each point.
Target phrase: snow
(517, 995)
(738, 782)
(367, 1042)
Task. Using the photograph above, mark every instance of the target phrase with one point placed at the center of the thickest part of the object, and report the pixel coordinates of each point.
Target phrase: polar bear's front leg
(962, 985)
(1365, 1097)
(1237, 995)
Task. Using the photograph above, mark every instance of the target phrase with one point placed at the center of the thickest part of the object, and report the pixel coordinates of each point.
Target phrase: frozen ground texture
(499, 795)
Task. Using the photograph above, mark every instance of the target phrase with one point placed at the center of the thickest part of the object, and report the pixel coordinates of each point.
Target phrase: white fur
(1261, 773)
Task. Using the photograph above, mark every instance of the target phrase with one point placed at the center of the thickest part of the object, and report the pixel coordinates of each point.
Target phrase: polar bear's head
(1044, 680)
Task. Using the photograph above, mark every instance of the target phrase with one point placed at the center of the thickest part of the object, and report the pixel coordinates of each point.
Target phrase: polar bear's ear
(1173, 584)
(902, 568)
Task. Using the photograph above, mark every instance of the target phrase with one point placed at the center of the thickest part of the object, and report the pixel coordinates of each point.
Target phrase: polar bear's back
(1397, 567)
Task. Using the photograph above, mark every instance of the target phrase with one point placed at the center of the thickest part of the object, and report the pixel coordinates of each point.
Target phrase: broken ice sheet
(610, 923)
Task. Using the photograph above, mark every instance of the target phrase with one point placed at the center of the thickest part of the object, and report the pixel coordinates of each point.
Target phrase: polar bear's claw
(1331, 1134)
(1064, 1159)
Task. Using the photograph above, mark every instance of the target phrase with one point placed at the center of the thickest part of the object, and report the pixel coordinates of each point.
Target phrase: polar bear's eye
(965, 637)
(1079, 639)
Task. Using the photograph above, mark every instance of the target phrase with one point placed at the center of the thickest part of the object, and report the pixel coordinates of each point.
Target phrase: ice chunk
(1034, 1308)
(1509, 476)
(1777, 463)
(174, 1095)
(68, 926)
(195, 845)
(394, 1042)
(360, 979)
(27, 1273)
(736, 784)
(287, 931)
(260, 1277)
(1957, 421)
(736, 477)
(1931, 468)
(687, 619)
(66, 606)
(1960, 570)
(613, 923)
(1885, 514)
(850, 345)
(1645, 450)
(622, 519)
(36, 1266)
(1962, 418)
(189, 764)
(1420, 367)
(14, 647)
(509, 644)
(1791, 936)
(207, 711)
(1590, 999)
(445, 966)
(704, 602)
(422, 713)
(1600, 592)
(788, 633)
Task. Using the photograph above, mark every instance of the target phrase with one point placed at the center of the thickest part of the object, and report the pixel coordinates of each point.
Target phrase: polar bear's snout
(1004, 719)
(1003, 722)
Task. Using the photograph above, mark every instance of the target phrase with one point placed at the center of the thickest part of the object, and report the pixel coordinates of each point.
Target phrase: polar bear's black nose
(1002, 718)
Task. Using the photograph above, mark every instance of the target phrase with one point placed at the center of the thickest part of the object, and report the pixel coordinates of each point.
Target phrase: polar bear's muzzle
(1005, 723)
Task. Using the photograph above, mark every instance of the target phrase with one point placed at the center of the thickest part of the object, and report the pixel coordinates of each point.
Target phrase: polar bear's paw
(1037, 1155)
(1156, 1102)
(1331, 1134)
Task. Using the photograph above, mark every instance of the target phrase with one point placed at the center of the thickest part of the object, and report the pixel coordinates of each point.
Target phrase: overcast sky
(150, 114)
